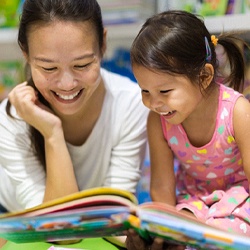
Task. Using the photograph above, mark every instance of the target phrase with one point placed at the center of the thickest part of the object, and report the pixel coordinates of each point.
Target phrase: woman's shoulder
(119, 83)
(14, 123)
(124, 96)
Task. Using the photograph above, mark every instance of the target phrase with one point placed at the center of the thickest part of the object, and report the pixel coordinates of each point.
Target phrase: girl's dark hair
(174, 42)
(43, 12)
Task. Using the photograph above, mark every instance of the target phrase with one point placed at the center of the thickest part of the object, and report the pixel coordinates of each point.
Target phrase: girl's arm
(60, 178)
(162, 185)
(241, 124)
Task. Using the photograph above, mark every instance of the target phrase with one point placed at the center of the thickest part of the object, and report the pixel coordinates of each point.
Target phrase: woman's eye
(82, 66)
(49, 69)
(144, 91)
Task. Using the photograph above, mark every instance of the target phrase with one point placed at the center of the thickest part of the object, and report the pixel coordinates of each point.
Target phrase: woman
(72, 125)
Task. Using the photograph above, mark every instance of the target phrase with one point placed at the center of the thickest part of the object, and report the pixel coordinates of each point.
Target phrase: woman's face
(65, 62)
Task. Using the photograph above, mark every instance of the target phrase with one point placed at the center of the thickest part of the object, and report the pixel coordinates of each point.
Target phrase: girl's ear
(207, 75)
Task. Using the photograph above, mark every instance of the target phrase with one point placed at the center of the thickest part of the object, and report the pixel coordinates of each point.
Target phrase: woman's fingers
(31, 110)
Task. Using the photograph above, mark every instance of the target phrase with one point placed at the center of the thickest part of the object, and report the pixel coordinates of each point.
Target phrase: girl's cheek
(145, 102)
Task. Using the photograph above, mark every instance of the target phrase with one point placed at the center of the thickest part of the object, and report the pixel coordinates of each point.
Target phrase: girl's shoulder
(228, 94)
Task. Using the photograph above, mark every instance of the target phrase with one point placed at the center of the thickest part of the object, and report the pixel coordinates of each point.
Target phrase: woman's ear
(104, 46)
(207, 75)
(26, 57)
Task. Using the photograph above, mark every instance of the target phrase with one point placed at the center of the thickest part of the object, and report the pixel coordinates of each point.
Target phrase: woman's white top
(111, 156)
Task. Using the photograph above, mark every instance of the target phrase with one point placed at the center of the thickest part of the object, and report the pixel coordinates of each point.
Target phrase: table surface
(88, 244)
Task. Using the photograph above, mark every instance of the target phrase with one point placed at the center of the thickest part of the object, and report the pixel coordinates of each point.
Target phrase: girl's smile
(172, 96)
(168, 115)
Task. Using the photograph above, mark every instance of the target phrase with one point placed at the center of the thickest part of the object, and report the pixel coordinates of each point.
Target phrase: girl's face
(173, 97)
(65, 64)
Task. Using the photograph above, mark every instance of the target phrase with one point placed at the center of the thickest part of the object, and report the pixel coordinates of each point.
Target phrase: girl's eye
(165, 91)
(144, 91)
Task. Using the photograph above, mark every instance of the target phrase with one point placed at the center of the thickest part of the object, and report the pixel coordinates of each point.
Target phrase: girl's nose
(67, 81)
(155, 103)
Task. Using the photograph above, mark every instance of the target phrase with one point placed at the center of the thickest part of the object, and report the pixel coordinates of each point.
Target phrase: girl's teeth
(167, 113)
(68, 97)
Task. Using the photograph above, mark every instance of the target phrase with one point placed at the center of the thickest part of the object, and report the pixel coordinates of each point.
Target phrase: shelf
(235, 23)
(123, 31)
(9, 49)
(238, 22)
(8, 35)
(119, 31)
(118, 35)
(123, 34)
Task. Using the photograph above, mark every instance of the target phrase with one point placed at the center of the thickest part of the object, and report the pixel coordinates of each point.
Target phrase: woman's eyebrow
(42, 59)
(90, 55)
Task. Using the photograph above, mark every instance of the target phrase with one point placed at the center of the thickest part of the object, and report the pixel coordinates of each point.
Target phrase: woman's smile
(69, 97)
(66, 80)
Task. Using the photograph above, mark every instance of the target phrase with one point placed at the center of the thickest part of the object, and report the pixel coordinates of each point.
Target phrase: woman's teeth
(68, 97)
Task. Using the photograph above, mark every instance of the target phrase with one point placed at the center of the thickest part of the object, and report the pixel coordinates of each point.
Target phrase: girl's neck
(201, 124)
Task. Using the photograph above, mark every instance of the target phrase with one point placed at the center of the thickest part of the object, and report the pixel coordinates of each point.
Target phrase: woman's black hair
(42, 12)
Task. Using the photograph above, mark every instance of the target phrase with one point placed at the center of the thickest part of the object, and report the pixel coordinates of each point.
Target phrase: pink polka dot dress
(210, 180)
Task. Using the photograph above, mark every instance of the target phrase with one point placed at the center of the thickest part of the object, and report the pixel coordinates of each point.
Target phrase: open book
(103, 212)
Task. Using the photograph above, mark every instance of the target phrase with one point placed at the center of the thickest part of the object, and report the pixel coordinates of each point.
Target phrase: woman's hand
(59, 167)
(30, 109)
(135, 242)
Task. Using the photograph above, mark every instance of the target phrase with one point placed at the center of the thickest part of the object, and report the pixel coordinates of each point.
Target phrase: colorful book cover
(105, 212)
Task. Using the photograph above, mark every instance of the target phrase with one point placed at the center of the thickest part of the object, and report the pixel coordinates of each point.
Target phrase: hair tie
(214, 40)
(208, 50)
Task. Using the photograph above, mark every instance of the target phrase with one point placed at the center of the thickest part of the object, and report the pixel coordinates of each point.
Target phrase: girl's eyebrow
(42, 59)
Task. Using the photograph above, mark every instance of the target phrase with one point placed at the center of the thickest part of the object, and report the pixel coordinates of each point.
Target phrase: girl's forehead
(150, 79)
(147, 73)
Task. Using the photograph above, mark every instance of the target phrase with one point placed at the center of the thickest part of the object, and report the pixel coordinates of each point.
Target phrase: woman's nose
(67, 81)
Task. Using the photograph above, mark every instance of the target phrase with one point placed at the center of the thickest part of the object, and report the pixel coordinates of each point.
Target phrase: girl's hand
(135, 242)
(30, 109)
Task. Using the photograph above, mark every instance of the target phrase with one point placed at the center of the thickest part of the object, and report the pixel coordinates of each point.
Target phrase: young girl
(201, 122)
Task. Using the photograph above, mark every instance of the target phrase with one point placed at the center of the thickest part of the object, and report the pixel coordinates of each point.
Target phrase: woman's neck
(77, 128)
